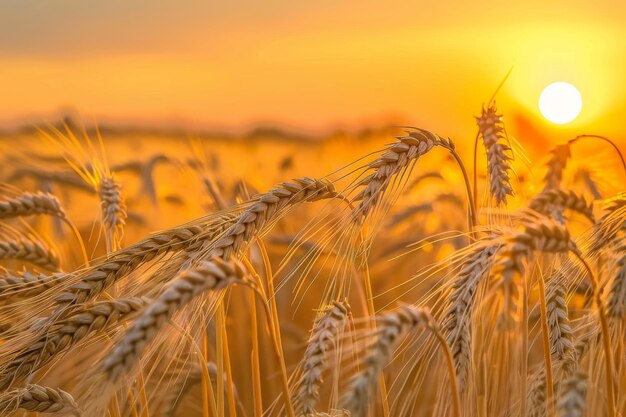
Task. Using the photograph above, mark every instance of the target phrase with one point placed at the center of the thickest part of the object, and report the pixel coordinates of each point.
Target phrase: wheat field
(395, 272)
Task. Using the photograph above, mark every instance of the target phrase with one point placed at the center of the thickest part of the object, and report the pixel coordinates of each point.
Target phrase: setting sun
(560, 102)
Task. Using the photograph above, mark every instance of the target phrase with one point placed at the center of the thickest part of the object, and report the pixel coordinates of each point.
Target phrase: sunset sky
(309, 65)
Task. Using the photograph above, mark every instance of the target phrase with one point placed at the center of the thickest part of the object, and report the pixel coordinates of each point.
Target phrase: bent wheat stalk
(605, 139)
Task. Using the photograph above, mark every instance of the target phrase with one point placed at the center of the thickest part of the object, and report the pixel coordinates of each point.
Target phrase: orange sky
(310, 65)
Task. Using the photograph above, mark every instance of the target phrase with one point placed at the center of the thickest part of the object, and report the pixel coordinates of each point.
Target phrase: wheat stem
(606, 343)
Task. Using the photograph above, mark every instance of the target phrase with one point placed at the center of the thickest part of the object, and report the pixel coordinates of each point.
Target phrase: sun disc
(560, 102)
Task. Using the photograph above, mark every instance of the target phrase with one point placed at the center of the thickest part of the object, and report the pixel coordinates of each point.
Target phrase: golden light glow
(560, 102)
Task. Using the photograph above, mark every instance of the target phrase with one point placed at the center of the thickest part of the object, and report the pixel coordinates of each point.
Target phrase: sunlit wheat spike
(28, 204)
(27, 284)
(397, 157)
(113, 207)
(561, 334)
(458, 317)
(573, 401)
(85, 320)
(38, 399)
(546, 201)
(498, 153)
(210, 275)
(556, 165)
(392, 326)
(119, 264)
(31, 250)
(541, 234)
(323, 338)
(616, 301)
(265, 208)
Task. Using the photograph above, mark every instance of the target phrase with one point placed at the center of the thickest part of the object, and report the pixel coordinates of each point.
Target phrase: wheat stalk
(211, 275)
(323, 338)
(498, 153)
(30, 249)
(543, 235)
(28, 204)
(39, 399)
(458, 317)
(573, 396)
(85, 320)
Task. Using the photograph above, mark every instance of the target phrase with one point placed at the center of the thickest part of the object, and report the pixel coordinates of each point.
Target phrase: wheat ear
(573, 396)
(609, 225)
(85, 320)
(210, 275)
(556, 165)
(30, 249)
(561, 334)
(543, 235)
(498, 154)
(397, 157)
(323, 338)
(555, 198)
(28, 204)
(266, 208)
(100, 277)
(27, 284)
(113, 207)
(38, 399)
(458, 318)
(391, 327)
(616, 301)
